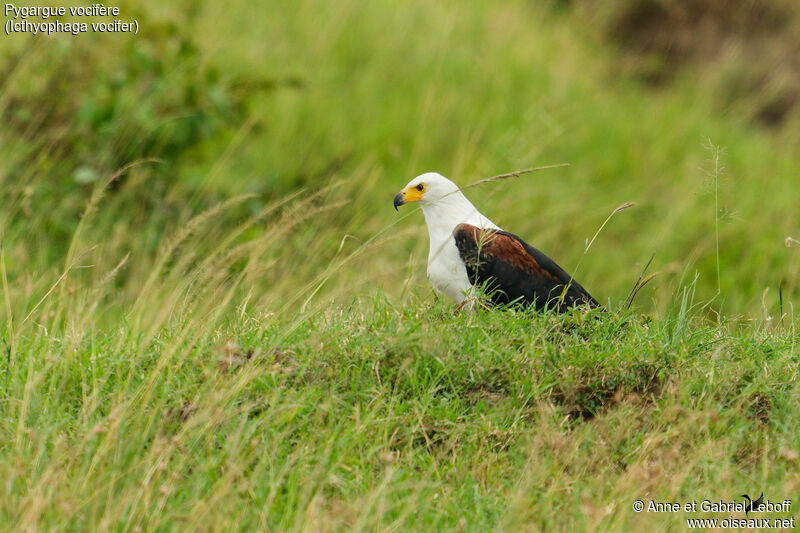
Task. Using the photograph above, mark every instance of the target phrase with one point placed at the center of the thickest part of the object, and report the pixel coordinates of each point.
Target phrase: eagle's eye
(420, 187)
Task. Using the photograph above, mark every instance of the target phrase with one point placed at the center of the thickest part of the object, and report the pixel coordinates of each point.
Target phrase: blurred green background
(687, 108)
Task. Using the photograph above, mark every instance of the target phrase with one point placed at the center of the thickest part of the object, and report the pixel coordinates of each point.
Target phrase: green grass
(212, 318)
(373, 415)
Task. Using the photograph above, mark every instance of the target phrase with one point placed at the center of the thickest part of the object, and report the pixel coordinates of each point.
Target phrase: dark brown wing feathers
(514, 271)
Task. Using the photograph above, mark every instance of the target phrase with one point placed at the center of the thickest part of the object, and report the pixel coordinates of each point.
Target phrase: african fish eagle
(467, 250)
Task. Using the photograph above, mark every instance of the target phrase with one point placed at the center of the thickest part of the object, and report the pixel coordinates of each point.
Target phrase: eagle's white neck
(443, 215)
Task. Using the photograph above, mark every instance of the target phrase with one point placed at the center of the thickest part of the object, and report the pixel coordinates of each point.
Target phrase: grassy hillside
(213, 319)
(373, 416)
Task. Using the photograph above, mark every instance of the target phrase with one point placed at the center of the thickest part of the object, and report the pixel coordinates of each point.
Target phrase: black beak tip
(398, 200)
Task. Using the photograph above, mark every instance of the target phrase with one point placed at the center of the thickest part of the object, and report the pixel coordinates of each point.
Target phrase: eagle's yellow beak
(407, 195)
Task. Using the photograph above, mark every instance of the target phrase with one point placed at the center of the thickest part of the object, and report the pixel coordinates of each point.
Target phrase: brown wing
(511, 270)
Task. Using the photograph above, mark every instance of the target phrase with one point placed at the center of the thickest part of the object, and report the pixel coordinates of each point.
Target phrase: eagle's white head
(427, 188)
(443, 204)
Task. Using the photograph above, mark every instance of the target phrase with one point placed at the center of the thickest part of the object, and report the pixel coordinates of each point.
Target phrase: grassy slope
(191, 386)
(372, 415)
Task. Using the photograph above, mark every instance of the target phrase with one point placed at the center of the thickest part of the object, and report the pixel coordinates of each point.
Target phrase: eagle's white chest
(446, 270)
